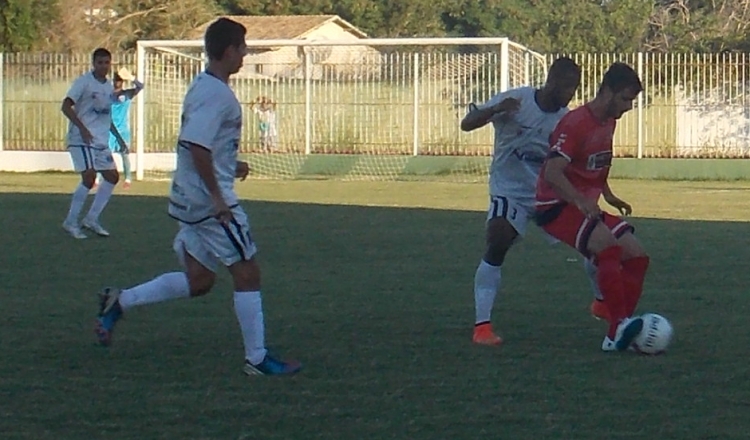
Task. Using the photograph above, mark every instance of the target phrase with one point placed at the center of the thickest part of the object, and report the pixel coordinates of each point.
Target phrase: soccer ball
(655, 336)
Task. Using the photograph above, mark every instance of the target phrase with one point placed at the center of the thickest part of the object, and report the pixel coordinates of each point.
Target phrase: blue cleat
(627, 331)
(272, 367)
(109, 313)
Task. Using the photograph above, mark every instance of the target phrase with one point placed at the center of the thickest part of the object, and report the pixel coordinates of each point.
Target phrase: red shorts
(567, 223)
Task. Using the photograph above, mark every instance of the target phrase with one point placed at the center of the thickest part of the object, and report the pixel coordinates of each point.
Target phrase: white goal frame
(173, 46)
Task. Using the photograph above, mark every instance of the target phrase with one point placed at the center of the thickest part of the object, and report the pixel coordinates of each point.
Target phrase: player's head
(619, 87)
(117, 81)
(225, 43)
(563, 79)
(101, 61)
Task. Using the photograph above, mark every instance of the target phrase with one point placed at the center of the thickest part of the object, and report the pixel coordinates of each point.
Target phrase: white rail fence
(389, 97)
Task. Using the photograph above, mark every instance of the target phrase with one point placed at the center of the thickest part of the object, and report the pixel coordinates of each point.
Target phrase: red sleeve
(566, 139)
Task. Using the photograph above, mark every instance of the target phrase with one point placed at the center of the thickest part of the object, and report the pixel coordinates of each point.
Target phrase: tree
(21, 22)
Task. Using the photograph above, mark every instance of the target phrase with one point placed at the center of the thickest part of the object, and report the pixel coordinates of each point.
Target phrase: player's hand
(242, 170)
(125, 74)
(622, 206)
(222, 212)
(87, 137)
(507, 107)
(589, 208)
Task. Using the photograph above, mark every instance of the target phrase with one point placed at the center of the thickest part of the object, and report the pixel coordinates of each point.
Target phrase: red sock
(609, 279)
(633, 274)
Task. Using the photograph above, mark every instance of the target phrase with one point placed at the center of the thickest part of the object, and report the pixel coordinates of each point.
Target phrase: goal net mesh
(341, 111)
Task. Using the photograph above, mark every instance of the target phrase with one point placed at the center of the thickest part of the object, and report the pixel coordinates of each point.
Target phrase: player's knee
(632, 248)
(495, 254)
(201, 284)
(111, 176)
(88, 177)
(246, 275)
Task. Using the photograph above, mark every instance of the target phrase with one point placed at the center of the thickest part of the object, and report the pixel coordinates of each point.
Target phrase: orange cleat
(484, 335)
(600, 310)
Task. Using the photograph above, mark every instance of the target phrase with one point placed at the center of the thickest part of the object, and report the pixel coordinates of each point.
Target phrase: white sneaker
(74, 231)
(608, 344)
(94, 226)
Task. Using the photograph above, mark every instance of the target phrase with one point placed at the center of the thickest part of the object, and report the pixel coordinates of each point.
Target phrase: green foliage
(21, 21)
(544, 25)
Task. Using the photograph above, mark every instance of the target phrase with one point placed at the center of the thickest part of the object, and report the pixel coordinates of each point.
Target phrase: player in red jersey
(573, 178)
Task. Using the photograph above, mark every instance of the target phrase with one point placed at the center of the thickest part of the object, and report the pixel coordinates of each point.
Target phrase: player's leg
(598, 308)
(635, 264)
(105, 164)
(196, 280)
(597, 240)
(234, 247)
(83, 161)
(593, 239)
(506, 220)
(126, 167)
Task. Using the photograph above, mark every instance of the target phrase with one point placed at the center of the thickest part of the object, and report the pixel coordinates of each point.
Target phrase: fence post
(308, 99)
(504, 66)
(140, 114)
(415, 147)
(2, 101)
(640, 107)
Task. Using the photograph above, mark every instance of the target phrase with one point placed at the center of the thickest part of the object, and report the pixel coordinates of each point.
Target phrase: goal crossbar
(194, 49)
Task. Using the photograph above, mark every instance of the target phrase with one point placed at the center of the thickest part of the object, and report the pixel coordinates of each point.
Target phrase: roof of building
(283, 27)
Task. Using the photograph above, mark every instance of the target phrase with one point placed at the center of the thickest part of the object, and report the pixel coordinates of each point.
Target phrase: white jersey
(521, 145)
(92, 102)
(211, 118)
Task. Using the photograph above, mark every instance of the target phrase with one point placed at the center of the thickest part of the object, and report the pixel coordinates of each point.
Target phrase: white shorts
(88, 158)
(212, 243)
(518, 213)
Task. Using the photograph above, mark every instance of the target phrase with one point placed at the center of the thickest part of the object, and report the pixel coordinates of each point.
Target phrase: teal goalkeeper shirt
(120, 118)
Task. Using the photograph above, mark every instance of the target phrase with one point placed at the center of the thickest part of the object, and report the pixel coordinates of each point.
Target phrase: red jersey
(586, 143)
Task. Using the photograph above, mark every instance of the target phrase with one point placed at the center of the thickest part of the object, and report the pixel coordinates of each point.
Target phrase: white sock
(486, 284)
(100, 200)
(588, 265)
(249, 309)
(167, 286)
(76, 203)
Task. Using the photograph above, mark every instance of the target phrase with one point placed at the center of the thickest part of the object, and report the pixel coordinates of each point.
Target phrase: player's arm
(197, 134)
(204, 166)
(68, 109)
(241, 170)
(118, 137)
(565, 146)
(134, 91)
(479, 116)
(622, 206)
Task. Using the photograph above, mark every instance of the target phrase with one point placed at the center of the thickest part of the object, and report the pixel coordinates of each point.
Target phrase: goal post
(352, 109)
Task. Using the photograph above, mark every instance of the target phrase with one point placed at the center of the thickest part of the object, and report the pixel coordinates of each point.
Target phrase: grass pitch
(370, 286)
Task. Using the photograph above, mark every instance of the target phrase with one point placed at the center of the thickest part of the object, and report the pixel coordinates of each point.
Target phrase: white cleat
(74, 231)
(95, 227)
(608, 344)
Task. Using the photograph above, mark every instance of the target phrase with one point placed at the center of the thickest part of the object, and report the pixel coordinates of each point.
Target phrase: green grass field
(370, 286)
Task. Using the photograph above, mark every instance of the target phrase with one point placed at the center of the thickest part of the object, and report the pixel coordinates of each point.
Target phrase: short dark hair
(619, 77)
(222, 34)
(564, 66)
(100, 53)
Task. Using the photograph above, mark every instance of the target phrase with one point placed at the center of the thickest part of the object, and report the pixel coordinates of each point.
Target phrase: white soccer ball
(656, 335)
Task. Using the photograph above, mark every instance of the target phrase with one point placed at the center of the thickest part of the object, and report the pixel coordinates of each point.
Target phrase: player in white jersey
(523, 119)
(213, 228)
(87, 105)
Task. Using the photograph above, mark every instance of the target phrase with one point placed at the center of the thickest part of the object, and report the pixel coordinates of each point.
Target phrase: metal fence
(403, 100)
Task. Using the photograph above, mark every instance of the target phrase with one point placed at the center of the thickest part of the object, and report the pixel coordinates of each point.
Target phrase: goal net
(376, 109)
